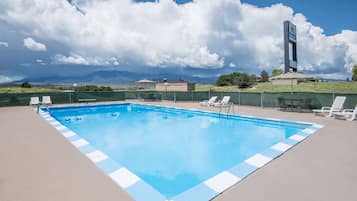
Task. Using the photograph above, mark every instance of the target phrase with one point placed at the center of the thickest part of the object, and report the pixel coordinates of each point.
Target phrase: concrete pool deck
(38, 164)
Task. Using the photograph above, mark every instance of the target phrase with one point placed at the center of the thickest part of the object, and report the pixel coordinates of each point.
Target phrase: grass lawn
(207, 87)
(6, 89)
(260, 87)
(302, 87)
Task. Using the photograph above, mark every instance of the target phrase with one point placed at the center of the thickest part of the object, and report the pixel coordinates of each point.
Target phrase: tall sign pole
(290, 53)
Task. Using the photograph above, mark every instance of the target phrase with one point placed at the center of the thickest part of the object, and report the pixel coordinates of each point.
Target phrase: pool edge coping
(206, 190)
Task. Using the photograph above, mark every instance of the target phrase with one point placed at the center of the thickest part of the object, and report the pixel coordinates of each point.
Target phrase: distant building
(177, 86)
(145, 84)
(291, 78)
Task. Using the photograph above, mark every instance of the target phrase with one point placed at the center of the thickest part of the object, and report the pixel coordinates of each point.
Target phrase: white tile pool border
(208, 189)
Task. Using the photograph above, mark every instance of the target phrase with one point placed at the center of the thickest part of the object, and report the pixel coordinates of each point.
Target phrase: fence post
(262, 99)
(75, 97)
(192, 96)
(209, 93)
(175, 96)
(333, 97)
(238, 97)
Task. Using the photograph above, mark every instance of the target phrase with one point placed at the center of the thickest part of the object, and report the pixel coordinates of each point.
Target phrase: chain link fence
(21, 99)
(265, 99)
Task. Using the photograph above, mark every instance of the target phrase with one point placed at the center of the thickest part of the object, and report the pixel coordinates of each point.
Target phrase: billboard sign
(290, 44)
(292, 32)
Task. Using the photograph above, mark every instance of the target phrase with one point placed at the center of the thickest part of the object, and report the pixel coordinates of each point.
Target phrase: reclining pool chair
(348, 114)
(34, 101)
(46, 100)
(337, 106)
(209, 102)
(224, 102)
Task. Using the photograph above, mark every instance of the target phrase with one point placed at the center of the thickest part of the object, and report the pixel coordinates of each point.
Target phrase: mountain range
(115, 77)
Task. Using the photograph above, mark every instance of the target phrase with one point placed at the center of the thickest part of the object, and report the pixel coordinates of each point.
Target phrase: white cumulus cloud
(201, 34)
(7, 79)
(4, 44)
(31, 44)
(80, 60)
(73, 59)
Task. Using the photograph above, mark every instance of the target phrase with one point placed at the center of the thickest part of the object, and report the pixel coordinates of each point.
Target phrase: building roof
(145, 81)
(292, 75)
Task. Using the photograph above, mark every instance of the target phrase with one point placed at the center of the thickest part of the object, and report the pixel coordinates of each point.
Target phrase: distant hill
(115, 77)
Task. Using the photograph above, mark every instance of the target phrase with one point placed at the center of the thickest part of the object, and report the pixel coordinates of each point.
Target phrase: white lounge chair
(337, 106)
(34, 101)
(46, 100)
(224, 102)
(347, 114)
(209, 102)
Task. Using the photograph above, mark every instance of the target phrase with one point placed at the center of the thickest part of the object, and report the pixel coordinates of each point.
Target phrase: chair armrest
(348, 110)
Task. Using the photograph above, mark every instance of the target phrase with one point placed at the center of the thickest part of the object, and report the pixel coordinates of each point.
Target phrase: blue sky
(332, 16)
(203, 38)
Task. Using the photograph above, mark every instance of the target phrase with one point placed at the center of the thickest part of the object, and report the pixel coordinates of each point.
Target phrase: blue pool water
(172, 149)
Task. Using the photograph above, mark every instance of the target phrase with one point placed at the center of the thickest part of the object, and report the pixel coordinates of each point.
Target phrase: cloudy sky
(202, 38)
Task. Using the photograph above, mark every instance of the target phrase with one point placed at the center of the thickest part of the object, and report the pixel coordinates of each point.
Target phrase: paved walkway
(38, 164)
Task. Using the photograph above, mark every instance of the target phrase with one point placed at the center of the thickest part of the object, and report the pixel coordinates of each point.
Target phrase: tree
(354, 73)
(224, 80)
(105, 88)
(242, 80)
(94, 88)
(253, 78)
(277, 72)
(26, 85)
(264, 76)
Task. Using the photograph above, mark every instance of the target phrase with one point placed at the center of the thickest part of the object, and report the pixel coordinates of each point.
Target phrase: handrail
(229, 109)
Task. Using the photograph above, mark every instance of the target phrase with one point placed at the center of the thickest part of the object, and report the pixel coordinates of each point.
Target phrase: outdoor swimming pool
(172, 153)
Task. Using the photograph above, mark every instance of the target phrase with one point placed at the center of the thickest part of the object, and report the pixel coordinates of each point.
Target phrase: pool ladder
(226, 109)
